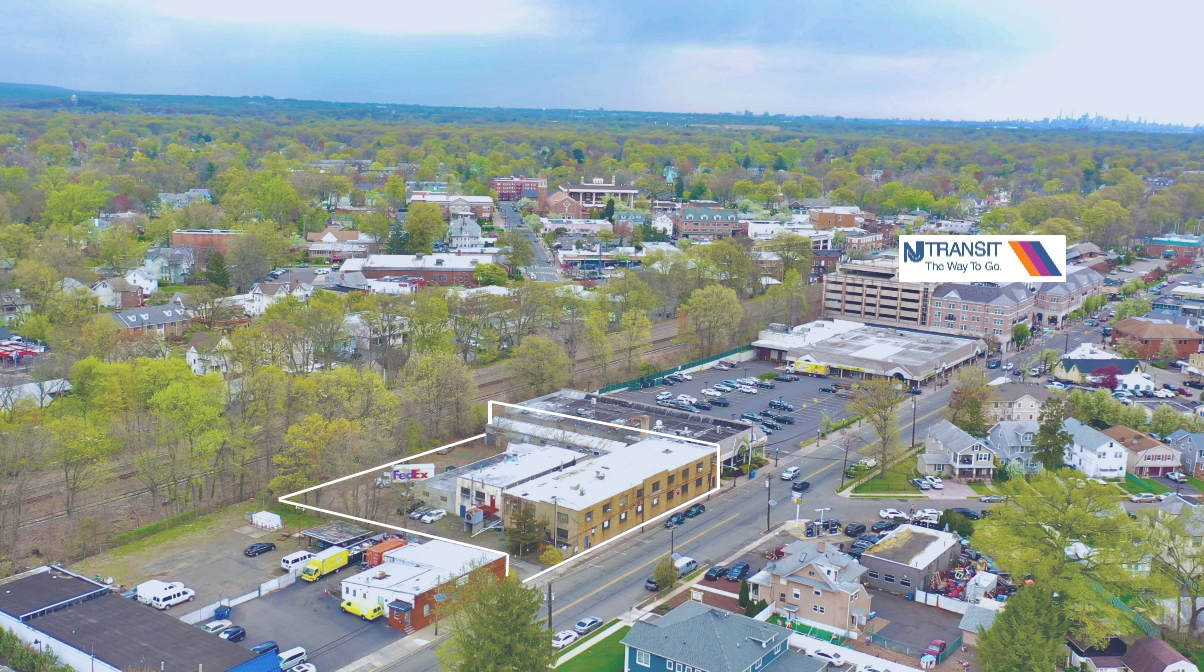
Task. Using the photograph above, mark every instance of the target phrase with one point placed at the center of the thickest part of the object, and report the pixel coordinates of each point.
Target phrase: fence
(642, 381)
(1138, 483)
(206, 612)
(910, 649)
(942, 602)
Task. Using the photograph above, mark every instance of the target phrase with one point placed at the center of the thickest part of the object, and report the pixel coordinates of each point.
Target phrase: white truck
(163, 594)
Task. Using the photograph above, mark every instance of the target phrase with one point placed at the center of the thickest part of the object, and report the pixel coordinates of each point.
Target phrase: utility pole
(768, 499)
(913, 423)
(672, 532)
(549, 605)
(844, 468)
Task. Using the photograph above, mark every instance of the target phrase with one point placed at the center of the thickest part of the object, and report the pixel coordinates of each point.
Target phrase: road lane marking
(642, 567)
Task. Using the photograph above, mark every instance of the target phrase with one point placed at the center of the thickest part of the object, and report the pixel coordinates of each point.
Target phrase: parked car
(431, 516)
(992, 499)
(714, 573)
(747, 389)
(833, 658)
(993, 364)
(1177, 477)
(234, 633)
(968, 513)
(926, 513)
(892, 514)
(259, 549)
(265, 647)
(765, 413)
(854, 529)
(1008, 366)
(1055, 386)
(721, 367)
(675, 520)
(770, 424)
(721, 401)
(563, 639)
(921, 483)
(790, 473)
(768, 431)
(827, 388)
(1194, 384)
(703, 405)
(1164, 394)
(784, 379)
(800, 486)
(216, 626)
(687, 398)
(731, 383)
(708, 392)
(935, 482)
(587, 625)
(784, 419)
(781, 405)
(915, 390)
(695, 511)
(883, 526)
(664, 396)
(765, 384)
(684, 376)
(721, 388)
(738, 571)
(1183, 392)
(652, 585)
(751, 417)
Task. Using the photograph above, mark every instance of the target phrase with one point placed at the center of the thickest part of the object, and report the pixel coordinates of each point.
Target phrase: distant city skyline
(902, 59)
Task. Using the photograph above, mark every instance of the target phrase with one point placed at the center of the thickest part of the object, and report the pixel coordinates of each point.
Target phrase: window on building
(589, 515)
(562, 517)
(797, 593)
(639, 494)
(889, 578)
(623, 501)
(872, 574)
(606, 508)
(623, 517)
(817, 593)
(656, 501)
(643, 659)
(605, 525)
(698, 482)
(671, 480)
(905, 582)
(426, 610)
(818, 609)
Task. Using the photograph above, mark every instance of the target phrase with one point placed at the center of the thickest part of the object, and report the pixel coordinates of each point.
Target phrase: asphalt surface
(544, 268)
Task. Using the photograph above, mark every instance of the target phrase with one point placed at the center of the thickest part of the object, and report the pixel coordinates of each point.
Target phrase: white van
(684, 565)
(297, 559)
(294, 656)
(162, 594)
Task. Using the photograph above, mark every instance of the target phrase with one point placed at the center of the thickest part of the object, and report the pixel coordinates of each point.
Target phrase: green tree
(744, 599)
(971, 392)
(79, 449)
(876, 403)
(438, 389)
(120, 251)
(1020, 334)
(1167, 351)
(1052, 440)
(423, 226)
(489, 274)
(540, 365)
(1072, 537)
(518, 251)
(665, 574)
(636, 330)
(73, 203)
(550, 557)
(608, 211)
(477, 644)
(216, 271)
(956, 522)
(1034, 618)
(525, 531)
(714, 317)
(755, 608)
(598, 345)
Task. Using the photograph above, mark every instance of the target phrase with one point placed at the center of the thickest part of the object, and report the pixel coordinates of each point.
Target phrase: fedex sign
(413, 472)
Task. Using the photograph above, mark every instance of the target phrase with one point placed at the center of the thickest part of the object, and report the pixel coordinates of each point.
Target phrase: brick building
(516, 188)
(562, 205)
(204, 239)
(456, 205)
(836, 216)
(439, 269)
(1151, 333)
(706, 223)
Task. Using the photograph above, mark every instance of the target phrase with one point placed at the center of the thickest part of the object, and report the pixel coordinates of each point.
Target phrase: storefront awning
(401, 605)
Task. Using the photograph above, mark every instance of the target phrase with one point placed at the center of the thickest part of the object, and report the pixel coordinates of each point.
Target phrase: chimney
(821, 546)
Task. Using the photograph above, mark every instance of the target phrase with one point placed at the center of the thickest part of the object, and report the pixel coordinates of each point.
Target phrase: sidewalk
(394, 652)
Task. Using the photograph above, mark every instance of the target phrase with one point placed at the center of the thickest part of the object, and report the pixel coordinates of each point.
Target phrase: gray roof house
(976, 621)
(816, 584)
(1192, 448)
(700, 638)
(1012, 440)
(1011, 294)
(1093, 452)
(949, 452)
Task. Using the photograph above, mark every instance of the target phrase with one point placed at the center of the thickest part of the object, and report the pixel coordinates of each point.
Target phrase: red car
(935, 648)
(1183, 391)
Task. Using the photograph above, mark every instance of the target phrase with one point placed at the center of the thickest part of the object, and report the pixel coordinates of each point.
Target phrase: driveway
(952, 490)
(915, 624)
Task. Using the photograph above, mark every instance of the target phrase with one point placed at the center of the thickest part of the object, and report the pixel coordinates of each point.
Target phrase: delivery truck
(324, 563)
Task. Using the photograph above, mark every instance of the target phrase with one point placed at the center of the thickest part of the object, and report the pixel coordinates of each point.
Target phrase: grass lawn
(595, 633)
(1137, 485)
(1195, 483)
(896, 480)
(982, 488)
(603, 656)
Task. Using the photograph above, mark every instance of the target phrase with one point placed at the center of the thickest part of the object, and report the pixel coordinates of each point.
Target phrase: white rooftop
(522, 461)
(805, 334)
(416, 568)
(561, 436)
(1088, 351)
(449, 198)
(403, 262)
(604, 477)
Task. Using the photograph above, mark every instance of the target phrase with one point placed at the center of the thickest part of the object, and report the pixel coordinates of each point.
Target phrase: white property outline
(287, 499)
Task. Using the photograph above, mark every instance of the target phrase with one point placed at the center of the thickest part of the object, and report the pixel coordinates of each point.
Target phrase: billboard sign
(1001, 259)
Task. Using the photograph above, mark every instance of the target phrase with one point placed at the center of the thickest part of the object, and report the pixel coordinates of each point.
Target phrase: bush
(153, 528)
(25, 658)
(755, 608)
(550, 557)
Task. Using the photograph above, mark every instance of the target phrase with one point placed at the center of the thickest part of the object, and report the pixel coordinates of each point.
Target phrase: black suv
(652, 585)
(675, 520)
(720, 401)
(854, 529)
(765, 384)
(784, 379)
(800, 486)
(883, 526)
(968, 513)
(770, 424)
(714, 573)
(766, 413)
(702, 405)
(738, 571)
(784, 419)
(751, 417)
(783, 405)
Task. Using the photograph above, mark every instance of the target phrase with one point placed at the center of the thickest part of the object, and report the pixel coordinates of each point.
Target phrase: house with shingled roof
(1191, 451)
(1078, 370)
(816, 584)
(1145, 456)
(208, 352)
(1012, 441)
(951, 452)
(166, 321)
(701, 638)
(1092, 452)
(1148, 654)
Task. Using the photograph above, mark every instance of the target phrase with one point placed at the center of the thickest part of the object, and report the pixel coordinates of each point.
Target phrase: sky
(942, 59)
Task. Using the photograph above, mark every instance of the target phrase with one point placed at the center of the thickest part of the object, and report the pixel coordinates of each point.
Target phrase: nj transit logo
(999, 259)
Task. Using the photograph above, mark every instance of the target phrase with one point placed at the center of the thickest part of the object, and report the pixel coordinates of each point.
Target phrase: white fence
(206, 612)
(942, 602)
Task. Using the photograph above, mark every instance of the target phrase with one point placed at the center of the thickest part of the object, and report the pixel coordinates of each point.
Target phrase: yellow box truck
(324, 563)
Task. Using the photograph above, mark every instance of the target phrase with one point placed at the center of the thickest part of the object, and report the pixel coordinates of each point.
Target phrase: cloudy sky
(948, 59)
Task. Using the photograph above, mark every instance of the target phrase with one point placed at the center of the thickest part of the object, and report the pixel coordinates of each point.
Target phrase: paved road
(544, 268)
(610, 582)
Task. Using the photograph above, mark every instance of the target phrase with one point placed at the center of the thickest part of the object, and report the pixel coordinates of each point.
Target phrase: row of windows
(890, 578)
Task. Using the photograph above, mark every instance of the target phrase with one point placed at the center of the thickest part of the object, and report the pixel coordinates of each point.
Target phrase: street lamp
(768, 499)
(913, 422)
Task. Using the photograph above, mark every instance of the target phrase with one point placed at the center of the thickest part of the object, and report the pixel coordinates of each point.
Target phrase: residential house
(701, 638)
(1191, 451)
(1013, 401)
(950, 452)
(456, 205)
(264, 294)
(1012, 441)
(909, 557)
(175, 201)
(1148, 654)
(336, 244)
(975, 622)
(208, 352)
(1145, 456)
(117, 293)
(145, 280)
(1078, 370)
(856, 238)
(13, 306)
(1150, 334)
(824, 262)
(1083, 253)
(816, 584)
(169, 264)
(166, 321)
(448, 270)
(464, 232)
(1094, 453)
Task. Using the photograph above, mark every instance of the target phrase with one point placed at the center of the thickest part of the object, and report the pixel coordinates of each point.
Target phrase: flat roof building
(908, 558)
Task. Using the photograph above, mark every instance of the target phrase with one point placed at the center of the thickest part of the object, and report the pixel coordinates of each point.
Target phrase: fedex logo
(413, 472)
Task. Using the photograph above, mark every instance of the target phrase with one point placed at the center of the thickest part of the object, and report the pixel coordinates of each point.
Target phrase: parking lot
(810, 405)
(902, 620)
(303, 614)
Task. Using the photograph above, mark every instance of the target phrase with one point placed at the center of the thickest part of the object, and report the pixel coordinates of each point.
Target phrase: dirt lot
(205, 554)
